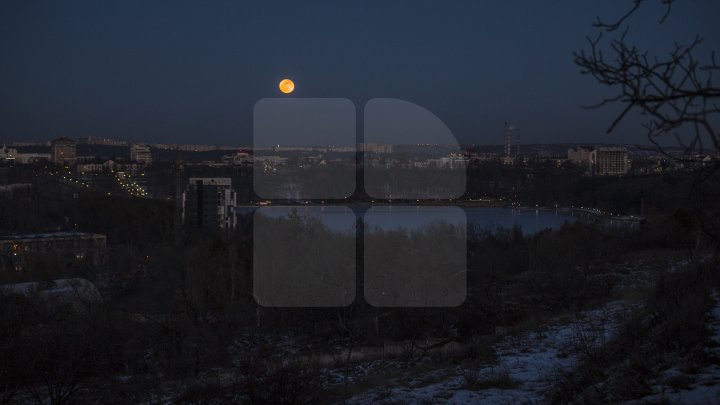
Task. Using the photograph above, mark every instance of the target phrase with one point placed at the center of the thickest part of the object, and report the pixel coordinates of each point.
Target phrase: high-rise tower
(507, 141)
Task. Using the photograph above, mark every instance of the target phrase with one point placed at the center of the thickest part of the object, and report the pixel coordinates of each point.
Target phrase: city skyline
(184, 73)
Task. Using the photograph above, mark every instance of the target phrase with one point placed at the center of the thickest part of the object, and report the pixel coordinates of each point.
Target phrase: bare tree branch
(675, 91)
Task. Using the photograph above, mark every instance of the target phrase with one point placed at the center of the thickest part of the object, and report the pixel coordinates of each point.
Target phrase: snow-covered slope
(524, 371)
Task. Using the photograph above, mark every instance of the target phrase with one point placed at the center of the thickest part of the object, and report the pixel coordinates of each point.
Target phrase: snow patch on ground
(525, 368)
(704, 386)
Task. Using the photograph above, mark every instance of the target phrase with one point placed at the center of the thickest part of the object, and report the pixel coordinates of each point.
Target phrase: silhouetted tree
(676, 92)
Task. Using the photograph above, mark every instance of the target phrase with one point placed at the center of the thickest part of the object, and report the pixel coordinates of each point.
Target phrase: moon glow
(286, 86)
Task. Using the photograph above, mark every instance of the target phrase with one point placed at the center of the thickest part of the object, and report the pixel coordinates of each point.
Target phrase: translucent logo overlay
(304, 253)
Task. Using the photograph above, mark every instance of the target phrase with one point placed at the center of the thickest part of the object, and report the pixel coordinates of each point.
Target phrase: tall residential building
(63, 151)
(612, 161)
(140, 154)
(584, 156)
(209, 203)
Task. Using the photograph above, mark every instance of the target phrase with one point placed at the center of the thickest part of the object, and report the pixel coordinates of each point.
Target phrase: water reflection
(339, 218)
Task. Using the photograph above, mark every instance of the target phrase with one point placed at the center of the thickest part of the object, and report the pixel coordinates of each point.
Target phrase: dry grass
(670, 327)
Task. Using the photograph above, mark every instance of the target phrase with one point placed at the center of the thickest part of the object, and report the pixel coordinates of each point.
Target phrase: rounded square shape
(304, 148)
(415, 256)
(304, 256)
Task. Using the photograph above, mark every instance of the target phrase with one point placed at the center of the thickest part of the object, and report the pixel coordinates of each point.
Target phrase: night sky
(190, 72)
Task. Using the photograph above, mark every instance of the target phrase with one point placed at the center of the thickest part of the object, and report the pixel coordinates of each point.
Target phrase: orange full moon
(286, 86)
